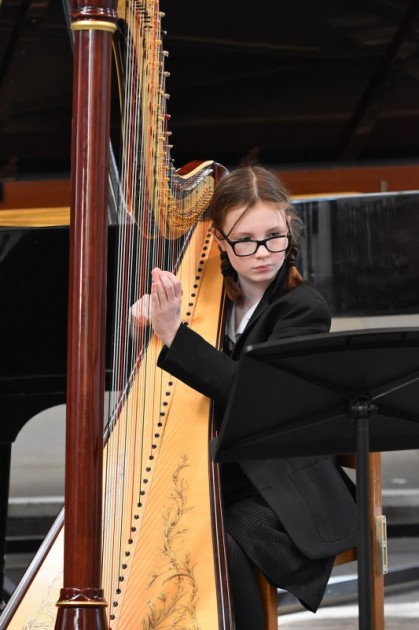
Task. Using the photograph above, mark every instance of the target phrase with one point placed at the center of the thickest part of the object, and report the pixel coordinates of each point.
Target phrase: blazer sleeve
(198, 364)
(211, 372)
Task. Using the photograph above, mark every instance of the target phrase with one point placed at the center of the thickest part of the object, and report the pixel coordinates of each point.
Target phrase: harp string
(125, 443)
(158, 210)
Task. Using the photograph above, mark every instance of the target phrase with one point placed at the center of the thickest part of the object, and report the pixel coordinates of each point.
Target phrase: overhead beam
(365, 114)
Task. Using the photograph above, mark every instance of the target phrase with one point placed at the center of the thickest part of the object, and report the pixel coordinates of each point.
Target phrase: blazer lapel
(241, 341)
(274, 291)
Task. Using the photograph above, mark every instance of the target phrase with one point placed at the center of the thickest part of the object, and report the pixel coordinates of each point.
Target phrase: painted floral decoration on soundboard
(176, 608)
(45, 615)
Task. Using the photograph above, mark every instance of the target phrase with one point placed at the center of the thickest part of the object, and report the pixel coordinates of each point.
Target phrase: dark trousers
(247, 603)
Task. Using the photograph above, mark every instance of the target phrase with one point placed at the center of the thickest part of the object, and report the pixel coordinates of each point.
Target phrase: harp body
(171, 569)
(160, 530)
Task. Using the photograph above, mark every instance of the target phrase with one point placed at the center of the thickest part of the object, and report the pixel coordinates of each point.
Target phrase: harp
(142, 544)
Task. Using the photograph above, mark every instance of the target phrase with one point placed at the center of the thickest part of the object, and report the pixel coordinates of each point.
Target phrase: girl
(287, 517)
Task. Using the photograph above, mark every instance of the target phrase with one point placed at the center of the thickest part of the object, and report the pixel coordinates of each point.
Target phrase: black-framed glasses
(248, 246)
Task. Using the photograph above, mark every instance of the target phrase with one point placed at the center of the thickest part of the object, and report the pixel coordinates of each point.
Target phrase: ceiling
(286, 83)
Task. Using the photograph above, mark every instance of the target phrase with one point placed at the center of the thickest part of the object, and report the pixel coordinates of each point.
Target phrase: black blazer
(310, 495)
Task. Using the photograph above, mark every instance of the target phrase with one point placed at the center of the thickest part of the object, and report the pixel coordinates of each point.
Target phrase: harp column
(81, 605)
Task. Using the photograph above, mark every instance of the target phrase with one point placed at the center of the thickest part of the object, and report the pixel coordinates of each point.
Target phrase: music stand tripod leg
(361, 410)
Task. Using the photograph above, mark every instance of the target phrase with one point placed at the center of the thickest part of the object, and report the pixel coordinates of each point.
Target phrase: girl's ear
(218, 238)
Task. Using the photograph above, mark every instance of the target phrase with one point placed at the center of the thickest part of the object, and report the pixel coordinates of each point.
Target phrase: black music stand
(331, 393)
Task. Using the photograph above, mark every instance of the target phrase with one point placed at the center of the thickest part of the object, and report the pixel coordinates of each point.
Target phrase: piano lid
(362, 253)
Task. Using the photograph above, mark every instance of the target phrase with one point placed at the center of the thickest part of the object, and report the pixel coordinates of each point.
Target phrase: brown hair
(245, 187)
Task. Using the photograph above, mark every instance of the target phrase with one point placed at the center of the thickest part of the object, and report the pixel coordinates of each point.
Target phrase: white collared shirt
(232, 332)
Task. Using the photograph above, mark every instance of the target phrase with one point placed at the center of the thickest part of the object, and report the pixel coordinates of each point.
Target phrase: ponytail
(293, 278)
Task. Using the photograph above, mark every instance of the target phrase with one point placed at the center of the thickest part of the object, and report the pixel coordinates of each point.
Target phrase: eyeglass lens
(273, 244)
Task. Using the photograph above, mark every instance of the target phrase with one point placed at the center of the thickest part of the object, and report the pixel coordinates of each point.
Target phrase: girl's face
(259, 222)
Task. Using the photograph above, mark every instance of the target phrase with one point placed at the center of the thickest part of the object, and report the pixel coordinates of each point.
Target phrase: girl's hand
(140, 314)
(166, 294)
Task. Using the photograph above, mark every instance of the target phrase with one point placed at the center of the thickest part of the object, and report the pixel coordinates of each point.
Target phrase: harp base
(81, 609)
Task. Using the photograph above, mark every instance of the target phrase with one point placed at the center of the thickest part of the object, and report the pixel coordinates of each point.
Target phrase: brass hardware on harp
(93, 25)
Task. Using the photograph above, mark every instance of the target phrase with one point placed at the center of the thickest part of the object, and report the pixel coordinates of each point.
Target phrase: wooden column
(81, 605)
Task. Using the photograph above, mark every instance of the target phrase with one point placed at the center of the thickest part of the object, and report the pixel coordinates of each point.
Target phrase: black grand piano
(286, 83)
